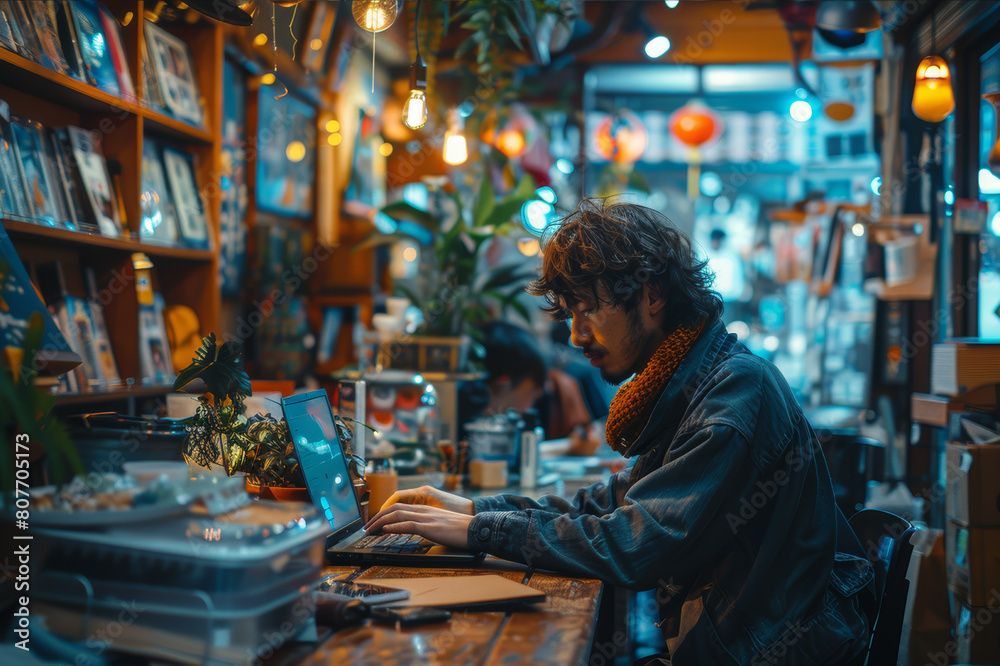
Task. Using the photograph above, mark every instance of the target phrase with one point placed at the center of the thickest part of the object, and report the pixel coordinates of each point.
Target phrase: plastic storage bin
(196, 588)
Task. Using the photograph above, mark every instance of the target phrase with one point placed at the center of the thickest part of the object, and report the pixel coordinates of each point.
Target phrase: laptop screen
(321, 457)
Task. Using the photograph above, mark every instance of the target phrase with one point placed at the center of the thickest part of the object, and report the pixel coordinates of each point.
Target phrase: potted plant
(221, 435)
(26, 419)
(453, 297)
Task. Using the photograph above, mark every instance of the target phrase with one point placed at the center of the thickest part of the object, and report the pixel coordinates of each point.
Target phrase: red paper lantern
(621, 137)
(695, 124)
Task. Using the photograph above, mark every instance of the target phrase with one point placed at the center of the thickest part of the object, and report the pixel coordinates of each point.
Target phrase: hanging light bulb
(933, 98)
(374, 15)
(455, 149)
(415, 108)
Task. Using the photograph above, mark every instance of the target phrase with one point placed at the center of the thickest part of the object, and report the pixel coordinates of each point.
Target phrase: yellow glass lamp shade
(933, 98)
(415, 110)
(374, 15)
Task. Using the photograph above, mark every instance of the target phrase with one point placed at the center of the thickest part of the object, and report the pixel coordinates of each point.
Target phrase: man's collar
(676, 395)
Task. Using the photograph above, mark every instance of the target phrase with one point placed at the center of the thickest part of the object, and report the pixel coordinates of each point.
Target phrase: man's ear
(654, 299)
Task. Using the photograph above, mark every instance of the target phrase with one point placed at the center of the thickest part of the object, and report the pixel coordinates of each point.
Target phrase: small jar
(382, 483)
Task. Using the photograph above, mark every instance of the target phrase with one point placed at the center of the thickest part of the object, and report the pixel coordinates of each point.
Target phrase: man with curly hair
(726, 509)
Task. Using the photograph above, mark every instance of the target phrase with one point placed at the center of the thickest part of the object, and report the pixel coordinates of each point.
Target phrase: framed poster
(171, 60)
(286, 154)
(234, 188)
(184, 190)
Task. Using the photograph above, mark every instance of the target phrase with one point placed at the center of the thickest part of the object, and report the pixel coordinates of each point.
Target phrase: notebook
(324, 467)
(460, 591)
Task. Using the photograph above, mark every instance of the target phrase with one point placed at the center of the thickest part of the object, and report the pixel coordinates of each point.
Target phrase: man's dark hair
(605, 250)
(514, 352)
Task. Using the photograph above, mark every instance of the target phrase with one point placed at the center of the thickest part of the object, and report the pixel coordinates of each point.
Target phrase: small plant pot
(279, 493)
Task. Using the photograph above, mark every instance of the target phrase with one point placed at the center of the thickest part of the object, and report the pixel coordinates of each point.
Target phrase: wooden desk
(558, 631)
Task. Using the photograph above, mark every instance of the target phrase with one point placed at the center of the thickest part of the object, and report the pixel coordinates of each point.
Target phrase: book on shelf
(36, 177)
(152, 93)
(97, 63)
(154, 350)
(15, 190)
(117, 52)
(28, 45)
(102, 341)
(45, 23)
(7, 38)
(93, 170)
(193, 225)
(936, 410)
(959, 365)
(70, 40)
(19, 301)
(159, 217)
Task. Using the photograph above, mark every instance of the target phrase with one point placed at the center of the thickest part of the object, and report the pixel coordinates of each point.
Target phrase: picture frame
(315, 46)
(171, 61)
(158, 220)
(154, 350)
(96, 181)
(193, 225)
(285, 186)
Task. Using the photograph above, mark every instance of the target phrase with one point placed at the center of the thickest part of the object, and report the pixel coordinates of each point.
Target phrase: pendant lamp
(695, 125)
(415, 107)
(933, 98)
(374, 15)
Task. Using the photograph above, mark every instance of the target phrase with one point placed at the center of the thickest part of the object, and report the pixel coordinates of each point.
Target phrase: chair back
(886, 539)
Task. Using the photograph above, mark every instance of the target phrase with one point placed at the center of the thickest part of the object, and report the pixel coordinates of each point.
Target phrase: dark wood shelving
(178, 129)
(106, 396)
(19, 72)
(82, 238)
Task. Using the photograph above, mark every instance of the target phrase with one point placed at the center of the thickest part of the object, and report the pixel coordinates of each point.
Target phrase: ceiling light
(657, 46)
(800, 110)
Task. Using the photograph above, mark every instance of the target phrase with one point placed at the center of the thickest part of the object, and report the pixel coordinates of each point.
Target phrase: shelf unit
(183, 275)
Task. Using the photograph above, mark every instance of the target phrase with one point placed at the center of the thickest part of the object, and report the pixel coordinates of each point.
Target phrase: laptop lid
(321, 457)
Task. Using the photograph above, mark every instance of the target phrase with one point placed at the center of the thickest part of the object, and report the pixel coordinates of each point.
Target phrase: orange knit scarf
(633, 403)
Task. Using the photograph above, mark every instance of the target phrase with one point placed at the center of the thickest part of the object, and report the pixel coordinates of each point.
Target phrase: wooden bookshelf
(183, 275)
(109, 396)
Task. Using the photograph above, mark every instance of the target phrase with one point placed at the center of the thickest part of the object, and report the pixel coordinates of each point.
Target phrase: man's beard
(636, 340)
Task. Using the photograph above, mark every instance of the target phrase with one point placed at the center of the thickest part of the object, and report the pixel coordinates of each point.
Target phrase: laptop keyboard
(393, 543)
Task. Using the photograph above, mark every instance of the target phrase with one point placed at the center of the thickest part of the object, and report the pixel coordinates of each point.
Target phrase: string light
(415, 107)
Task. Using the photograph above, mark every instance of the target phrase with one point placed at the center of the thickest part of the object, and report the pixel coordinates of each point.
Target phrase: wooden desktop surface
(557, 631)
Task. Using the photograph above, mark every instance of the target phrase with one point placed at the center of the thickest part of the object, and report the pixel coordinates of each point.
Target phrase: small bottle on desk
(531, 435)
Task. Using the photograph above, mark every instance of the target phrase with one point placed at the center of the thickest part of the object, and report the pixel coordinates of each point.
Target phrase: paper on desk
(460, 591)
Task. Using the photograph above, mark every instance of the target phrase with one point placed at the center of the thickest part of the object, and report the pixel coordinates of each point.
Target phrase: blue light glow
(876, 185)
(657, 46)
(800, 110)
(536, 215)
(546, 194)
(564, 165)
(710, 184)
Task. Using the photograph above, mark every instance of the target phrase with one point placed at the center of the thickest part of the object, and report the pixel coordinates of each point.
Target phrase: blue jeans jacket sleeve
(675, 513)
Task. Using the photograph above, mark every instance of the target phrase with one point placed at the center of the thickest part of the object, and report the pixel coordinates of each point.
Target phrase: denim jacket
(726, 510)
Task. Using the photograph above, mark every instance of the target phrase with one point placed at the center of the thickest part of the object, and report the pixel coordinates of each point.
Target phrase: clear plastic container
(218, 590)
(260, 546)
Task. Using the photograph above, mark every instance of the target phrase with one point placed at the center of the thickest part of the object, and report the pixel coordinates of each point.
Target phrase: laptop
(324, 467)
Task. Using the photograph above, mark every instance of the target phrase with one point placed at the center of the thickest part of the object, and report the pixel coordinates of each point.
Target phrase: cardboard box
(973, 562)
(977, 632)
(972, 490)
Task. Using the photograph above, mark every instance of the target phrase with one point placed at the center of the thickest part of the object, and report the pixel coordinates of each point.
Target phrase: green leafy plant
(220, 433)
(26, 416)
(454, 298)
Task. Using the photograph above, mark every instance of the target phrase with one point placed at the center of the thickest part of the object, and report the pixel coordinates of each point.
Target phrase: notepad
(461, 591)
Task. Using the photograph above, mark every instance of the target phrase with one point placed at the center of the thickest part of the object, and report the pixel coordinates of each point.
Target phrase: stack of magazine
(81, 39)
(59, 177)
